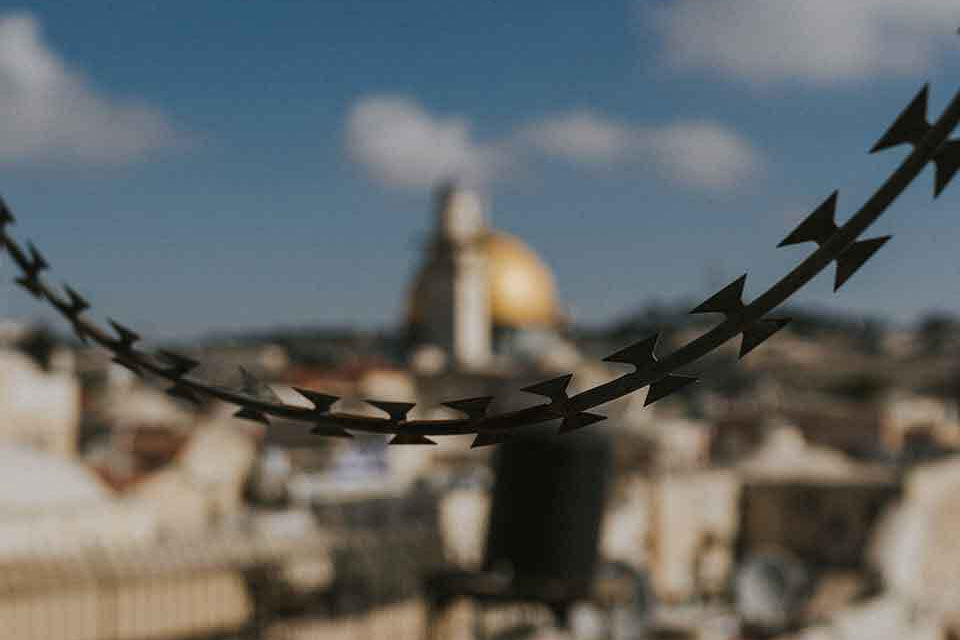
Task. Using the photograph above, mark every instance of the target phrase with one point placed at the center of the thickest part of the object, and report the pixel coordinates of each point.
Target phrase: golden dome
(520, 284)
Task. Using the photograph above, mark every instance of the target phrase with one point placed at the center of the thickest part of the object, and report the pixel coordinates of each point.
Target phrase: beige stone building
(38, 408)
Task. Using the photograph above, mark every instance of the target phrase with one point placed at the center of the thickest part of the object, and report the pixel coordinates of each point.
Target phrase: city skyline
(191, 170)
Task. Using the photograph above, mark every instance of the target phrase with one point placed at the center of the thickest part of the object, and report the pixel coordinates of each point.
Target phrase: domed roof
(521, 286)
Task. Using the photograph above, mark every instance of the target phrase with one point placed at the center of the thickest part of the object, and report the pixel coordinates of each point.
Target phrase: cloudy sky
(224, 165)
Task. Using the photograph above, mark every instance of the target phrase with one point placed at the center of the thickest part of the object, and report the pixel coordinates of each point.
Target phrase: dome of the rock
(520, 286)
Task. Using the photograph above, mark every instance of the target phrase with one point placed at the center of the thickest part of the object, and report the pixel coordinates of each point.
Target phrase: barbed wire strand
(840, 244)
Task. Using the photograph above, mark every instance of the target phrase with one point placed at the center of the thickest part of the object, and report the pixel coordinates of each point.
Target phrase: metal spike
(853, 258)
(475, 408)
(947, 160)
(396, 410)
(127, 336)
(665, 386)
(79, 331)
(180, 365)
(578, 421)
(321, 401)
(31, 284)
(252, 386)
(758, 332)
(728, 300)
(128, 363)
(640, 354)
(410, 438)
(555, 389)
(910, 126)
(77, 304)
(488, 438)
(330, 431)
(817, 227)
(37, 261)
(247, 413)
(184, 393)
(6, 217)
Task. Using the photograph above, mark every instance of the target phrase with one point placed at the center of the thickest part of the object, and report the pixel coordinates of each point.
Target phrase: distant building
(839, 498)
(482, 297)
(39, 407)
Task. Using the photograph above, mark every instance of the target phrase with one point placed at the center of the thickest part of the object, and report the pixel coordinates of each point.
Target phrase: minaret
(457, 313)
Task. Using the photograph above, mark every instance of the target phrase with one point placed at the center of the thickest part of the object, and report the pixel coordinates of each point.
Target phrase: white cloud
(50, 112)
(703, 154)
(403, 145)
(814, 41)
(699, 154)
(580, 136)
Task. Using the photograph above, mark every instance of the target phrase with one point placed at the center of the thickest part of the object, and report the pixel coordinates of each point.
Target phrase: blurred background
(425, 201)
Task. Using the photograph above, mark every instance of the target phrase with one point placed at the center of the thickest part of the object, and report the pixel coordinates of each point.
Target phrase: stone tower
(455, 300)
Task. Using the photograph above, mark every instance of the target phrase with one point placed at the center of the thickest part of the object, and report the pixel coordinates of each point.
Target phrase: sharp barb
(947, 160)
(252, 386)
(321, 401)
(817, 227)
(910, 126)
(579, 421)
(666, 386)
(37, 261)
(31, 284)
(330, 431)
(475, 408)
(77, 303)
(79, 331)
(6, 217)
(728, 300)
(396, 410)
(127, 336)
(854, 256)
(410, 438)
(179, 365)
(640, 354)
(183, 393)
(72, 310)
(758, 332)
(490, 438)
(247, 413)
(555, 389)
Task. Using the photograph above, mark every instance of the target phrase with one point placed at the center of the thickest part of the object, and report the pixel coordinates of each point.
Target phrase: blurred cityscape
(803, 492)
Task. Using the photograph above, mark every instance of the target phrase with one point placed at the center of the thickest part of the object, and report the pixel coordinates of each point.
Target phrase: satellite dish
(770, 589)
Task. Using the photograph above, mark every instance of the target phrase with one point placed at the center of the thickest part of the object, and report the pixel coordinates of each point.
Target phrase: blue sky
(223, 165)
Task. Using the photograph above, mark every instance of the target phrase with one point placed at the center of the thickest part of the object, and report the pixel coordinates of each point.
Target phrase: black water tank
(548, 503)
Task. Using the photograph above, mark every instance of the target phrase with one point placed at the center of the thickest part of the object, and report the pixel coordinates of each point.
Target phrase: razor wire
(835, 243)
